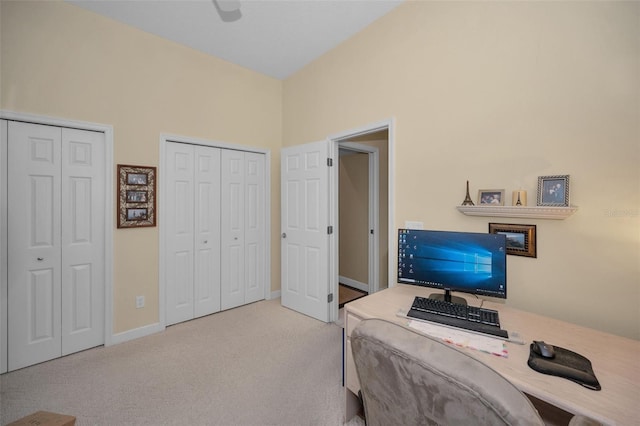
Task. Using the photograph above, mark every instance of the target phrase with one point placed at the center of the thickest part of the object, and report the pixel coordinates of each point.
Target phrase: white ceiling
(273, 37)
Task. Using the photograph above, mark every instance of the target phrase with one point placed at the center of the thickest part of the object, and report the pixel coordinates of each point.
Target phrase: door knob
(284, 235)
(40, 259)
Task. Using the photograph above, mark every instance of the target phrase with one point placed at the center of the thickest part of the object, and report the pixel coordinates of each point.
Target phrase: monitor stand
(447, 297)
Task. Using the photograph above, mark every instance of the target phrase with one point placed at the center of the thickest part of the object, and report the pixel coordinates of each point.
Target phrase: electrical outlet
(139, 301)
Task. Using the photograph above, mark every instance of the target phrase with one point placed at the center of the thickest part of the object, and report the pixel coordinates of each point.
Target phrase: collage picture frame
(136, 196)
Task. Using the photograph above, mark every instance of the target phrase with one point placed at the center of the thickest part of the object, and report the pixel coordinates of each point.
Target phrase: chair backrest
(407, 378)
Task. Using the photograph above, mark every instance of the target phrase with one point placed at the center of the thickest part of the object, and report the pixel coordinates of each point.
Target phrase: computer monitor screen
(467, 262)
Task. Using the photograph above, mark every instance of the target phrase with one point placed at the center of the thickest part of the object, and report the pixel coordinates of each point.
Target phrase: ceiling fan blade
(229, 10)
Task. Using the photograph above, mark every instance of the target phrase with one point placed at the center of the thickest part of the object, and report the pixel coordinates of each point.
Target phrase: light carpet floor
(259, 364)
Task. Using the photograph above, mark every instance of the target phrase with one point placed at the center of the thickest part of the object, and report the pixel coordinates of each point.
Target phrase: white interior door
(215, 255)
(207, 231)
(83, 240)
(55, 219)
(243, 232)
(180, 232)
(34, 255)
(232, 232)
(304, 227)
(254, 227)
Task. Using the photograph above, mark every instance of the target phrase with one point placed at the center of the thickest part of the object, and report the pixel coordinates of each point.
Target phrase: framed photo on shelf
(493, 197)
(136, 196)
(521, 239)
(553, 191)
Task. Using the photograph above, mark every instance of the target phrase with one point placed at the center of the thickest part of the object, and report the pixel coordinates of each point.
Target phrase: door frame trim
(164, 139)
(107, 130)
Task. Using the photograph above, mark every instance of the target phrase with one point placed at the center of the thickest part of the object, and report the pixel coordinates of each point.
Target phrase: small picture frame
(521, 239)
(136, 196)
(137, 214)
(137, 179)
(553, 191)
(491, 197)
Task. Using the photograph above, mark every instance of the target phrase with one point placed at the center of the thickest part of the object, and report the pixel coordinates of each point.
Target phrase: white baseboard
(152, 329)
(135, 334)
(355, 284)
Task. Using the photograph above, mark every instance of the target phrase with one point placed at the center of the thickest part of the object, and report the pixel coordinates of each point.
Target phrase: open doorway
(310, 264)
(363, 194)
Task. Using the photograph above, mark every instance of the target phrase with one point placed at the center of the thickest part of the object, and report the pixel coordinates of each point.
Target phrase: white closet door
(207, 231)
(83, 269)
(180, 232)
(34, 255)
(232, 231)
(215, 230)
(56, 253)
(254, 227)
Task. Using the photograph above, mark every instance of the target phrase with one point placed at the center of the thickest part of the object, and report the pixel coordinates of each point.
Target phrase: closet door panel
(34, 257)
(207, 231)
(223, 267)
(254, 227)
(83, 269)
(232, 229)
(179, 268)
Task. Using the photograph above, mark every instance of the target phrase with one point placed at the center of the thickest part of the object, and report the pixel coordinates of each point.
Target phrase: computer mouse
(543, 349)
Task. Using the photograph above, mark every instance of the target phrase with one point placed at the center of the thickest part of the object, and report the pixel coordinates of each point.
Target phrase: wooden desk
(615, 360)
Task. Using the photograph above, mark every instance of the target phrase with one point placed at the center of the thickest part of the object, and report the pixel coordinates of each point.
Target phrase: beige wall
(62, 61)
(494, 92)
(500, 93)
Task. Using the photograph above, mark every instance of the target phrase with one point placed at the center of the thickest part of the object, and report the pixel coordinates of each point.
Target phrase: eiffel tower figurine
(467, 200)
(518, 203)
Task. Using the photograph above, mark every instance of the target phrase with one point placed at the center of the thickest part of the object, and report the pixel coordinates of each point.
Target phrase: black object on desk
(479, 320)
(565, 363)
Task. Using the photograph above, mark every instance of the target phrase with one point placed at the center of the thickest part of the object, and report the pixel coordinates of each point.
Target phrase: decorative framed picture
(521, 239)
(136, 196)
(553, 191)
(494, 197)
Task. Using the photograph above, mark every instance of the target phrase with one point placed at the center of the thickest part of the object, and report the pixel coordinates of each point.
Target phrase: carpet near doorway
(348, 294)
(255, 365)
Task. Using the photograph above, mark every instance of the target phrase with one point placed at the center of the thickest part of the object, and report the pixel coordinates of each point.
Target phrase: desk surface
(615, 359)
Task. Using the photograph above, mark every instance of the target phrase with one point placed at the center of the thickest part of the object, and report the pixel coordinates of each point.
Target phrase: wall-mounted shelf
(537, 212)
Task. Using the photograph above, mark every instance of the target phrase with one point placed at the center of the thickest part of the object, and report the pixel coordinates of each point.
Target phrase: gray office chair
(409, 379)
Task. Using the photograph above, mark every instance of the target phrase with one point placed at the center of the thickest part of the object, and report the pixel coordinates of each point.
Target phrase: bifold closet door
(207, 231)
(243, 228)
(193, 231)
(56, 204)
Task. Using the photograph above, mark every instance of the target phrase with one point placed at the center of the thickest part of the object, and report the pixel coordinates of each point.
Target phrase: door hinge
(329, 230)
(330, 162)
(330, 298)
